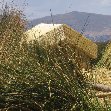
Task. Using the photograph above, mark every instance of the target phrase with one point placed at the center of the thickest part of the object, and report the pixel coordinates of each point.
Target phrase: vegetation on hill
(101, 50)
(106, 57)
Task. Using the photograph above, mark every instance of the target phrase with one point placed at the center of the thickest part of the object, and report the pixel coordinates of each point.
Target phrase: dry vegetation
(36, 78)
(106, 58)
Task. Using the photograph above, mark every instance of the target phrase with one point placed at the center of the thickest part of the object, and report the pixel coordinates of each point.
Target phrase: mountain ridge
(97, 28)
(72, 12)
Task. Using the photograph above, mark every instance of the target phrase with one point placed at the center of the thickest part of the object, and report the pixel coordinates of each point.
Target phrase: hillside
(97, 29)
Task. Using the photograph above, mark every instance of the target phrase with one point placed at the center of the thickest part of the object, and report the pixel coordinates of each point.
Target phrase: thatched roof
(49, 34)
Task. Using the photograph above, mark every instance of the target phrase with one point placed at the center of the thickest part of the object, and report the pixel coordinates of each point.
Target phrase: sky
(39, 8)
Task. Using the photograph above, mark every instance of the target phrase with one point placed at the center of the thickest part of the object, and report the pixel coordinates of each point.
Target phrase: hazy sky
(40, 8)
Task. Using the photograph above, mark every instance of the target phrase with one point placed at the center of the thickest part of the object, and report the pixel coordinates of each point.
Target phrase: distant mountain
(97, 27)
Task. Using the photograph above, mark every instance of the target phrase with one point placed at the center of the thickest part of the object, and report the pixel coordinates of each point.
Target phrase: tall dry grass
(36, 78)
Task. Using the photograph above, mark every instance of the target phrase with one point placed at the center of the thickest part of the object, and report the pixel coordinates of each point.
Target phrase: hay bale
(41, 30)
(49, 34)
(81, 42)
